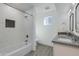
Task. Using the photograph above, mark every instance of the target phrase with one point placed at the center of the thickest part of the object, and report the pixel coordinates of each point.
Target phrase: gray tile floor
(41, 50)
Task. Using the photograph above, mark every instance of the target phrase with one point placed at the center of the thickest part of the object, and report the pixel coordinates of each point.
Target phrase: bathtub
(19, 50)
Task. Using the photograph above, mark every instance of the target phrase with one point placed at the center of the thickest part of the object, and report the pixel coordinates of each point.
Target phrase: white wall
(45, 34)
(63, 25)
(32, 13)
(10, 37)
(62, 10)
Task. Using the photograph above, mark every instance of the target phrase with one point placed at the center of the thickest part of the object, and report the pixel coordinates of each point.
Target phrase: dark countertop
(65, 40)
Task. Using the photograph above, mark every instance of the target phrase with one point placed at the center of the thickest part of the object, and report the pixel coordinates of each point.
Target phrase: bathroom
(39, 29)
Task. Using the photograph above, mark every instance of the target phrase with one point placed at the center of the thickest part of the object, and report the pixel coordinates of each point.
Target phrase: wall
(45, 34)
(63, 25)
(31, 28)
(63, 17)
(12, 37)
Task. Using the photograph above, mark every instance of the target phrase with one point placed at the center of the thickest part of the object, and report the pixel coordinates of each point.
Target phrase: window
(9, 23)
(48, 20)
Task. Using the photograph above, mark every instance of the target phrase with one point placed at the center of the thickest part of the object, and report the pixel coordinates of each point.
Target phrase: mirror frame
(71, 22)
(75, 19)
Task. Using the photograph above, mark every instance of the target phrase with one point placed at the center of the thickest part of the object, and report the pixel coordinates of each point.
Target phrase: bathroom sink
(65, 40)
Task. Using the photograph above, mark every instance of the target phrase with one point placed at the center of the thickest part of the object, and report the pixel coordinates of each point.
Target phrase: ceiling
(21, 6)
(60, 7)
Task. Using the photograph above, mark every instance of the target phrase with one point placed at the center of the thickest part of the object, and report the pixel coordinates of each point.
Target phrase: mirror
(77, 18)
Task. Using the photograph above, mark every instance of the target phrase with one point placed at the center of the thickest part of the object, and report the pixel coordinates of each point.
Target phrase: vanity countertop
(65, 40)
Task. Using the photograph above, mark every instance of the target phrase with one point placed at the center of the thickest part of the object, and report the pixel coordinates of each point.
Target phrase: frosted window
(48, 20)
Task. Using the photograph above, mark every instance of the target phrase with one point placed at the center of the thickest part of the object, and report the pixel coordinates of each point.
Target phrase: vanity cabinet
(65, 50)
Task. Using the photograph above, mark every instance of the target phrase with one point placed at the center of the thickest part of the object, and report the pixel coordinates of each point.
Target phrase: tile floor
(41, 50)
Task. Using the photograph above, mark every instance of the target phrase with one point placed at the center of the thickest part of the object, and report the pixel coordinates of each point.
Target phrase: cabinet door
(64, 50)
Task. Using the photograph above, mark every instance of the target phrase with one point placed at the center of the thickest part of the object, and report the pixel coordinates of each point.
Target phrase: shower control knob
(27, 36)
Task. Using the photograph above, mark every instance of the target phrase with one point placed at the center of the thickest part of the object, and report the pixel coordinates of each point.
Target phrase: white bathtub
(19, 50)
